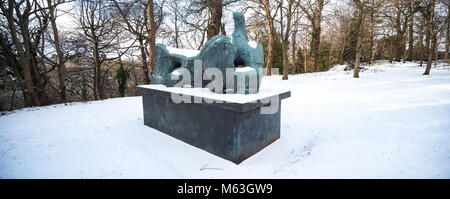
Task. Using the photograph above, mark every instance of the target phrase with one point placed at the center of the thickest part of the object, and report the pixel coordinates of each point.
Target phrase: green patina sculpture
(219, 52)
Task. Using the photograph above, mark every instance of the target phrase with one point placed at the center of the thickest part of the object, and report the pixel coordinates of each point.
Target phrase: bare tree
(24, 24)
(10, 10)
(411, 31)
(193, 24)
(428, 12)
(135, 16)
(313, 11)
(361, 7)
(96, 22)
(59, 53)
(399, 20)
(286, 30)
(267, 9)
(174, 6)
(364, 7)
(373, 12)
(305, 53)
(447, 40)
(151, 39)
(422, 25)
(360, 23)
(439, 26)
(294, 43)
(343, 17)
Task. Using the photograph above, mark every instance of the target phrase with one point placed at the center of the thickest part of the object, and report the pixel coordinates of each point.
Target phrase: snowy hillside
(391, 123)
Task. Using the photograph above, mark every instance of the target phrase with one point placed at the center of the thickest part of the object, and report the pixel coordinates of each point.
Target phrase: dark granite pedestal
(234, 129)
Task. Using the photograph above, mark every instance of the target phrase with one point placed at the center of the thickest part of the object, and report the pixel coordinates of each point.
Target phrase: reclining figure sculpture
(244, 57)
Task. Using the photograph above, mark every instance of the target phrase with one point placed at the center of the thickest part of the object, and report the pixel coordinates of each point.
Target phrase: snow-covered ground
(391, 123)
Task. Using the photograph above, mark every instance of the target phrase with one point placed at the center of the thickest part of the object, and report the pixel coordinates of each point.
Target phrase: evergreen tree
(122, 75)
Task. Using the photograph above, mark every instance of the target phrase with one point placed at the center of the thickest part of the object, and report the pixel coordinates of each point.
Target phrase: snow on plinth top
(253, 44)
(245, 69)
(229, 98)
(184, 52)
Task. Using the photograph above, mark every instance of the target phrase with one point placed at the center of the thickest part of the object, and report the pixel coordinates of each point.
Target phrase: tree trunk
(429, 36)
(427, 42)
(285, 63)
(447, 40)
(314, 17)
(40, 79)
(411, 33)
(404, 43)
(31, 60)
(371, 33)
(358, 42)
(305, 58)
(11, 59)
(177, 32)
(144, 61)
(434, 47)
(30, 96)
(97, 70)
(294, 53)
(294, 46)
(399, 36)
(286, 39)
(60, 63)
(344, 43)
(215, 21)
(422, 22)
(270, 49)
(391, 50)
(151, 40)
(315, 44)
(271, 35)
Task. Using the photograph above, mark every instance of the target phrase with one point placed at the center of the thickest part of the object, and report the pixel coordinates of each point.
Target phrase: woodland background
(59, 51)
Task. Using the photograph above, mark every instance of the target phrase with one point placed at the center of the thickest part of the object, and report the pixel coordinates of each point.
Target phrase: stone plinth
(232, 128)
